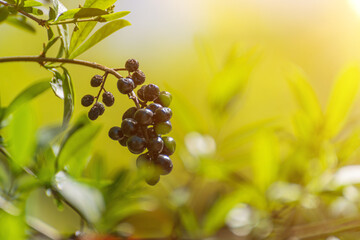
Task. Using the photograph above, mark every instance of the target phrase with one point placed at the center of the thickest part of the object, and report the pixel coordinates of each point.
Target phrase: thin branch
(41, 22)
(41, 60)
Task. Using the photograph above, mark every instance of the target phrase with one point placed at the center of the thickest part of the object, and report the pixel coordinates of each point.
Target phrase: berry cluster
(142, 126)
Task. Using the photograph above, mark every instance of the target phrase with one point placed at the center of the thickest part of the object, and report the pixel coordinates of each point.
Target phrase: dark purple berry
(131, 65)
(94, 113)
(101, 107)
(108, 99)
(136, 144)
(125, 85)
(151, 92)
(155, 145)
(115, 133)
(129, 127)
(140, 92)
(87, 100)
(143, 116)
(164, 164)
(96, 81)
(153, 107)
(123, 141)
(129, 113)
(152, 179)
(169, 146)
(143, 161)
(163, 128)
(163, 114)
(138, 77)
(164, 99)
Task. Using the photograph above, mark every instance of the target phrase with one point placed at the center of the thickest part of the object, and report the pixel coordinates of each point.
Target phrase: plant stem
(41, 22)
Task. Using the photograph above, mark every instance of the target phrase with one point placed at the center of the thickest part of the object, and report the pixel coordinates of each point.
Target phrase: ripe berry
(163, 164)
(143, 161)
(108, 99)
(163, 128)
(140, 92)
(129, 127)
(169, 146)
(136, 144)
(151, 92)
(101, 107)
(129, 113)
(94, 113)
(131, 65)
(96, 81)
(152, 179)
(153, 107)
(163, 114)
(138, 77)
(164, 99)
(143, 116)
(155, 145)
(125, 85)
(87, 100)
(115, 133)
(123, 141)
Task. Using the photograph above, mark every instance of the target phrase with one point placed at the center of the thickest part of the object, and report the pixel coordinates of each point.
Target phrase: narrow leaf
(32, 3)
(341, 100)
(104, 4)
(81, 13)
(79, 36)
(59, 8)
(4, 13)
(99, 35)
(57, 83)
(68, 98)
(114, 16)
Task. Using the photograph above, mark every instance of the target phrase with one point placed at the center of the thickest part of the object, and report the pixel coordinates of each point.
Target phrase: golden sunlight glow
(355, 4)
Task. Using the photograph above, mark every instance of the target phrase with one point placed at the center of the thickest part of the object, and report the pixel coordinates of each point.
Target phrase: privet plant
(48, 160)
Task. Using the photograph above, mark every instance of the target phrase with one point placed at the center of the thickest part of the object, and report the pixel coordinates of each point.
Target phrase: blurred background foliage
(266, 119)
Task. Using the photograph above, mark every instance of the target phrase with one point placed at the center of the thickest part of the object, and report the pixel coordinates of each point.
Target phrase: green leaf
(57, 83)
(50, 33)
(22, 136)
(59, 8)
(52, 13)
(104, 4)
(81, 13)
(26, 95)
(68, 97)
(88, 200)
(12, 227)
(341, 100)
(20, 22)
(4, 13)
(75, 152)
(32, 10)
(114, 16)
(65, 39)
(79, 36)
(50, 44)
(32, 3)
(265, 160)
(99, 35)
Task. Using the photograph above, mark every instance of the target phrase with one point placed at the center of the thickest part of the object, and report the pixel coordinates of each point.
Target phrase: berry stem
(102, 86)
(42, 59)
(120, 69)
(41, 22)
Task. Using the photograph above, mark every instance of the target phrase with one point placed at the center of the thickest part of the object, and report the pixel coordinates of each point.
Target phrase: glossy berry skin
(123, 141)
(153, 107)
(155, 145)
(136, 144)
(143, 161)
(138, 77)
(143, 116)
(108, 99)
(164, 99)
(96, 81)
(94, 113)
(151, 92)
(129, 127)
(163, 128)
(152, 179)
(140, 93)
(164, 164)
(125, 85)
(131, 65)
(101, 107)
(162, 114)
(169, 146)
(115, 133)
(129, 113)
(87, 100)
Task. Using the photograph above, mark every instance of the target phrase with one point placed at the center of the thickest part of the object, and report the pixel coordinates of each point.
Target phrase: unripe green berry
(164, 99)
(169, 146)
(163, 128)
